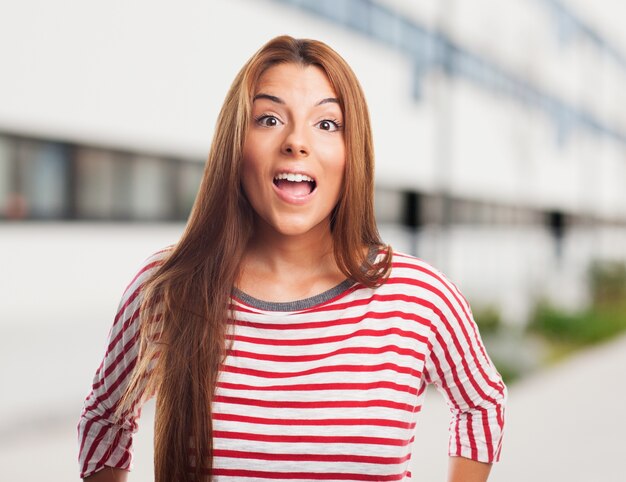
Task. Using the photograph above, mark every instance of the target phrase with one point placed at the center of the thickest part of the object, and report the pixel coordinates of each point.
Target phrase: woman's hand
(461, 469)
(108, 474)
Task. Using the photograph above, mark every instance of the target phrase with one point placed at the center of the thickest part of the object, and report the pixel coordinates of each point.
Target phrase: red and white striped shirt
(326, 388)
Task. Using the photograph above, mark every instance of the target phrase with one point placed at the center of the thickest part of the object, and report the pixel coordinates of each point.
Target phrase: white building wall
(151, 76)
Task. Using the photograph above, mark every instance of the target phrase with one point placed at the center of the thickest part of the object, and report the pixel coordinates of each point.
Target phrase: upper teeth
(293, 177)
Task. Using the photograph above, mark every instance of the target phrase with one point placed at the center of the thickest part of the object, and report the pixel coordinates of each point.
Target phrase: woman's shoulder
(158, 257)
(416, 275)
(147, 268)
(411, 265)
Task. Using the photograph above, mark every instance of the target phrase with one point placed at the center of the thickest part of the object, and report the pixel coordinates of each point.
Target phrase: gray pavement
(567, 423)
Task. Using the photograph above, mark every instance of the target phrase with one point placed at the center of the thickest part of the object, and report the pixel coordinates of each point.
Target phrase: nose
(295, 143)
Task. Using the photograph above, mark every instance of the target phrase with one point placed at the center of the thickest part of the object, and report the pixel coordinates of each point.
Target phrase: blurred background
(500, 135)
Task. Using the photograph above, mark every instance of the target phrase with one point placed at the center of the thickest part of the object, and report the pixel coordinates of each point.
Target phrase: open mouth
(296, 185)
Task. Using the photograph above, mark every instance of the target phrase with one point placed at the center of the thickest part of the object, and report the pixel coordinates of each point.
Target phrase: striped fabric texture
(327, 388)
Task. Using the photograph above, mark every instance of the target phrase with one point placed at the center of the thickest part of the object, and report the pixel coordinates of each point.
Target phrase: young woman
(282, 339)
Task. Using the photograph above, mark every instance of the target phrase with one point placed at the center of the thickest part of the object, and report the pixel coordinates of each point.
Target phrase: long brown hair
(185, 304)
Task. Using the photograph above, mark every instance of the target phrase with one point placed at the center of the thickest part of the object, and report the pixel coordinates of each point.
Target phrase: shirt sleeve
(105, 441)
(458, 365)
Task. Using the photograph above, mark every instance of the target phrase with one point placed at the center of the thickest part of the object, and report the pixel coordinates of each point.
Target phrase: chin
(293, 230)
(298, 227)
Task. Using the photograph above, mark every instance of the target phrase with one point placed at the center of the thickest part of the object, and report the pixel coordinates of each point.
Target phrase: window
(103, 184)
(152, 193)
(7, 170)
(42, 178)
(190, 175)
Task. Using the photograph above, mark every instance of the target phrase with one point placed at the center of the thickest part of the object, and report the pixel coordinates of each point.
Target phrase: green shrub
(508, 371)
(607, 284)
(603, 319)
(586, 327)
(488, 319)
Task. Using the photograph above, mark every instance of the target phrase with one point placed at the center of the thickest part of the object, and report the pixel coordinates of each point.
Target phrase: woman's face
(294, 153)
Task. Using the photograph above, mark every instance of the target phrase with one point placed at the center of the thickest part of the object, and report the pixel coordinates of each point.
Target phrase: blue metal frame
(570, 25)
(430, 49)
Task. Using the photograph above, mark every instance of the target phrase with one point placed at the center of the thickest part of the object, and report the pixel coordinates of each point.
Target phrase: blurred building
(499, 126)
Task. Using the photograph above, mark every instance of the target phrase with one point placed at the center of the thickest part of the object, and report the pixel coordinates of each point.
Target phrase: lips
(294, 187)
(298, 189)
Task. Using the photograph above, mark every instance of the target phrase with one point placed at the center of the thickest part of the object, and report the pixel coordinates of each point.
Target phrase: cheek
(252, 161)
(338, 168)
(249, 155)
(334, 156)
(256, 155)
(248, 175)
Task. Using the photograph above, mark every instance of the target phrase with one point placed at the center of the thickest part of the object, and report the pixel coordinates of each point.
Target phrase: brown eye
(328, 125)
(267, 121)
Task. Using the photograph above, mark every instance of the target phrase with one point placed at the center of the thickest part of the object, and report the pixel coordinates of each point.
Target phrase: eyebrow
(278, 100)
(328, 100)
(273, 98)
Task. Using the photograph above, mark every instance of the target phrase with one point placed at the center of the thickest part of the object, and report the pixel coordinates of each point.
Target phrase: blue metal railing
(431, 49)
(569, 25)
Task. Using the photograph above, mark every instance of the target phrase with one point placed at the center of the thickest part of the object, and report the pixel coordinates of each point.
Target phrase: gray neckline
(302, 304)
(296, 305)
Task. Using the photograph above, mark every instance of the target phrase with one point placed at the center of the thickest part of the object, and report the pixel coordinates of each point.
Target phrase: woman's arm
(461, 370)
(108, 474)
(461, 469)
(104, 436)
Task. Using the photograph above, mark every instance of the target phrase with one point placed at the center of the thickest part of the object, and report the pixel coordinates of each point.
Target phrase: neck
(288, 257)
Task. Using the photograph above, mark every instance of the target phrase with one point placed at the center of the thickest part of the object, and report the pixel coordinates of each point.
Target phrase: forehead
(292, 79)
